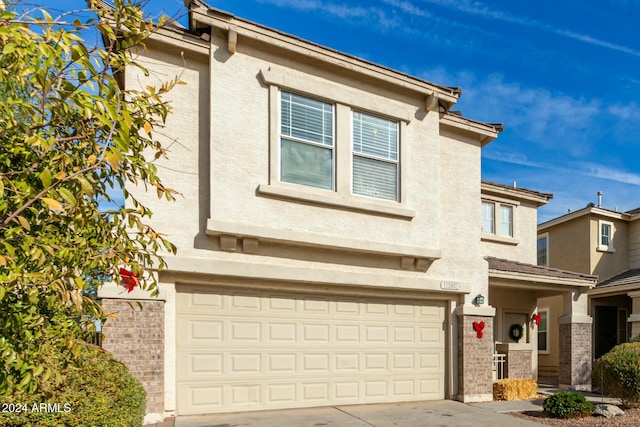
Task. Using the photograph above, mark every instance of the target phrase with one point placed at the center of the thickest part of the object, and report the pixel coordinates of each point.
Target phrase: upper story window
(503, 227)
(308, 146)
(306, 141)
(543, 250)
(336, 146)
(605, 236)
(506, 221)
(375, 156)
(488, 217)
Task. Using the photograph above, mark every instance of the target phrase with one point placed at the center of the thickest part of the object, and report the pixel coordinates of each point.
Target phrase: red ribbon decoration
(129, 279)
(536, 318)
(478, 327)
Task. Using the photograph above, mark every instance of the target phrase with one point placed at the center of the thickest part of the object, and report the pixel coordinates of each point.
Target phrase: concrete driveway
(445, 413)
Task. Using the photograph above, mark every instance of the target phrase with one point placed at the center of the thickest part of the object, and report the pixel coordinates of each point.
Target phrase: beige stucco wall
(523, 245)
(634, 244)
(569, 245)
(218, 171)
(605, 264)
(549, 362)
(186, 139)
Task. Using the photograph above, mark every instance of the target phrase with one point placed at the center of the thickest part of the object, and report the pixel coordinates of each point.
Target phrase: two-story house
(606, 243)
(335, 242)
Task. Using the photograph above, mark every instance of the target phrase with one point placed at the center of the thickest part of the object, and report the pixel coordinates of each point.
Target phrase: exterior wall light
(478, 300)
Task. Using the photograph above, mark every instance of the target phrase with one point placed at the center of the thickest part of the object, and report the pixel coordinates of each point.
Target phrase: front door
(606, 329)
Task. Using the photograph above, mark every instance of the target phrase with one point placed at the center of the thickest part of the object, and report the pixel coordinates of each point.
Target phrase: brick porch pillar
(576, 353)
(135, 337)
(475, 355)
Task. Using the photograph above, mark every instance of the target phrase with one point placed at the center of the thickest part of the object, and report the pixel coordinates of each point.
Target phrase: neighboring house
(330, 247)
(602, 242)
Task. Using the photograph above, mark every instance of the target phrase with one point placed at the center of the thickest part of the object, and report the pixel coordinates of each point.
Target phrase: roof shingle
(521, 267)
(625, 278)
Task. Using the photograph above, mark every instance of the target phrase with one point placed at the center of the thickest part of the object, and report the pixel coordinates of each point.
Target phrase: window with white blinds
(488, 217)
(306, 141)
(503, 224)
(506, 221)
(375, 156)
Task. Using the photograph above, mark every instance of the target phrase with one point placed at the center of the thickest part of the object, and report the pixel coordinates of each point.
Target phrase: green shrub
(567, 404)
(617, 373)
(94, 390)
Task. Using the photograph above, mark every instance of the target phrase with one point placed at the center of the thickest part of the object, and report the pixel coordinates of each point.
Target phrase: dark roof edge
(502, 264)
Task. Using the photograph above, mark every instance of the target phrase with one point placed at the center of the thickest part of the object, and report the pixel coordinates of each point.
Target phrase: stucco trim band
(316, 274)
(318, 240)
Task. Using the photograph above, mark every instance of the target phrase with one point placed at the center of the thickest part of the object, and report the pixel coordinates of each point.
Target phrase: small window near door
(543, 332)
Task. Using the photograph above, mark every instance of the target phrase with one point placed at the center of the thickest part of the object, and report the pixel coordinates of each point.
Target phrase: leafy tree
(70, 138)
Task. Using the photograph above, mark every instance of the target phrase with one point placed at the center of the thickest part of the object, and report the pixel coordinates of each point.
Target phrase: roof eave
(202, 17)
(538, 198)
(595, 210)
(486, 132)
(542, 280)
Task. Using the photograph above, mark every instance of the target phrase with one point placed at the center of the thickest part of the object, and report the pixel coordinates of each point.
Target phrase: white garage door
(240, 351)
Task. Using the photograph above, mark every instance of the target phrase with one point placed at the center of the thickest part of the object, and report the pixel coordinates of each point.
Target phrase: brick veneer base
(575, 355)
(136, 338)
(475, 367)
(519, 364)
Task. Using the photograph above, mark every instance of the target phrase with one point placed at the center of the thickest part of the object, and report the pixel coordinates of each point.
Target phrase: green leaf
(24, 223)
(9, 48)
(86, 185)
(25, 380)
(46, 178)
(38, 370)
(68, 196)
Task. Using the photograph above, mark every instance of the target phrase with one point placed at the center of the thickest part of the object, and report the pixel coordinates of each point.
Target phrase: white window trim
(345, 100)
(543, 236)
(610, 247)
(496, 236)
(547, 351)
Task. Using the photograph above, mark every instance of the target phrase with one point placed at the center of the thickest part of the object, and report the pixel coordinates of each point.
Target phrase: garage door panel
(432, 335)
(404, 335)
(346, 334)
(257, 350)
(281, 332)
(201, 330)
(313, 392)
(279, 304)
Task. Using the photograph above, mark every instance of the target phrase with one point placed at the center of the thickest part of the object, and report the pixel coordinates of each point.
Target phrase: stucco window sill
(485, 237)
(606, 249)
(334, 200)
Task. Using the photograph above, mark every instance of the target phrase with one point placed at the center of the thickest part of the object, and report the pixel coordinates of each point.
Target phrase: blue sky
(564, 77)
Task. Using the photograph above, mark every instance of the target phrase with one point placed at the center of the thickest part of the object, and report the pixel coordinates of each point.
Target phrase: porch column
(575, 342)
(634, 318)
(475, 355)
